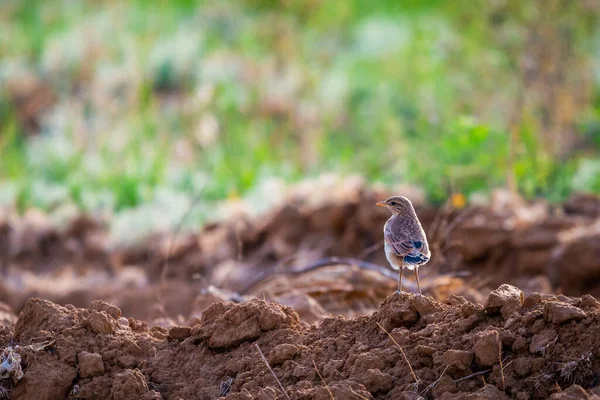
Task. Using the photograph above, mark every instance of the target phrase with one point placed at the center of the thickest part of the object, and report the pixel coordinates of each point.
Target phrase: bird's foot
(398, 291)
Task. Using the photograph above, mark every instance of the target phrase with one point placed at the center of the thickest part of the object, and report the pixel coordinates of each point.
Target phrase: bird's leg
(400, 279)
(417, 278)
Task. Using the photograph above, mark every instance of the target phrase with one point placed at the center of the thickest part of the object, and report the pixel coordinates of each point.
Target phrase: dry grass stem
(412, 372)
(360, 396)
(323, 380)
(432, 385)
(272, 372)
(474, 374)
(501, 368)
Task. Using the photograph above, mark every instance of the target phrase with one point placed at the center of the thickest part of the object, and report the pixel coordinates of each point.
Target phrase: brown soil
(536, 347)
(202, 344)
(170, 279)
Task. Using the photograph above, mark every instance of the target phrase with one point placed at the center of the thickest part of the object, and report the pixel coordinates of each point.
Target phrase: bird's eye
(393, 203)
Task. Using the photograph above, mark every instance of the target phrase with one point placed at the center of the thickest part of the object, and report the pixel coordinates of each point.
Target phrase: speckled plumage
(404, 239)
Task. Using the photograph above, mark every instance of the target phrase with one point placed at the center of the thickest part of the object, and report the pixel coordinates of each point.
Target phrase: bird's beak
(382, 203)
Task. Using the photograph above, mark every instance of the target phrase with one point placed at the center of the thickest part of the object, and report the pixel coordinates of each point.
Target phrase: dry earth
(534, 347)
(181, 319)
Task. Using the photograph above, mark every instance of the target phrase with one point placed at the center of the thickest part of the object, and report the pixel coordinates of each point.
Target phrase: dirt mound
(170, 280)
(413, 346)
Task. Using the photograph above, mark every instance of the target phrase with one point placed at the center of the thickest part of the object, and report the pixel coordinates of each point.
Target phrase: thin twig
(432, 385)
(360, 396)
(402, 351)
(473, 375)
(321, 263)
(323, 380)
(501, 368)
(272, 372)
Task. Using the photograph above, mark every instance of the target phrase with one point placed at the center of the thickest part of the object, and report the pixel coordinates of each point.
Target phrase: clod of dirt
(180, 332)
(376, 381)
(541, 341)
(400, 312)
(131, 384)
(42, 315)
(45, 379)
(573, 392)
(98, 305)
(439, 351)
(282, 353)
(507, 299)
(227, 325)
(559, 312)
(488, 392)
(487, 348)
(89, 364)
(459, 359)
(100, 322)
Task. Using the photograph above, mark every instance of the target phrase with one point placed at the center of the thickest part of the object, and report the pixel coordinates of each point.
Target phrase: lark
(404, 238)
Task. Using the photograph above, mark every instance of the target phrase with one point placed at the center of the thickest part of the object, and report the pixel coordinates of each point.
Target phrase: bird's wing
(404, 246)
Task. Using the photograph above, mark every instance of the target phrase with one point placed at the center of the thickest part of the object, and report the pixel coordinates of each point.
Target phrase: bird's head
(398, 205)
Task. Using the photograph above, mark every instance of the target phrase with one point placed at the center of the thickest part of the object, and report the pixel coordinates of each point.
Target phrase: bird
(405, 241)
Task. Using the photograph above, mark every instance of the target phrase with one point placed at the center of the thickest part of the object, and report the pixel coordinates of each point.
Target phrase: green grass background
(157, 101)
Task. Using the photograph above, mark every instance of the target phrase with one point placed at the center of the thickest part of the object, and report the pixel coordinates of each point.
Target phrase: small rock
(267, 393)
(506, 299)
(558, 312)
(89, 364)
(365, 362)
(426, 305)
(179, 332)
(487, 348)
(129, 384)
(425, 351)
(100, 322)
(340, 390)
(137, 326)
(467, 309)
(507, 337)
(244, 394)
(538, 326)
(377, 381)
(455, 300)
(530, 317)
(573, 392)
(589, 301)
(127, 361)
(488, 392)
(522, 366)
(99, 305)
(282, 353)
(333, 365)
(445, 385)
(460, 359)
(520, 344)
(541, 341)
(227, 325)
(532, 300)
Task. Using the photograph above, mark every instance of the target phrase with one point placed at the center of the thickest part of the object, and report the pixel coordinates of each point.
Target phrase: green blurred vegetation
(111, 105)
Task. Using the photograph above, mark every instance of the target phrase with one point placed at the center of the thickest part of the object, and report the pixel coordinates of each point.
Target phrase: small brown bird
(405, 241)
